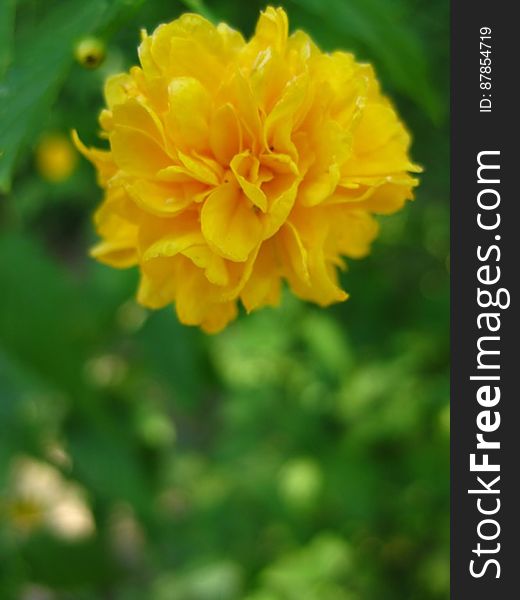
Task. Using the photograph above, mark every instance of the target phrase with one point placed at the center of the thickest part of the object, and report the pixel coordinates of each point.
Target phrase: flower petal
(188, 115)
(352, 232)
(173, 244)
(160, 200)
(158, 282)
(136, 115)
(199, 169)
(293, 252)
(101, 159)
(272, 29)
(241, 165)
(281, 193)
(263, 286)
(137, 153)
(230, 224)
(118, 252)
(225, 136)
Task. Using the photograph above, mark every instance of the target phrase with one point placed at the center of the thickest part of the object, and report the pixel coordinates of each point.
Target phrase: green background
(302, 454)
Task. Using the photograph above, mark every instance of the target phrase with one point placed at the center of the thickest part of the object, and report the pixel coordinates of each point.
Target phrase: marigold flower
(235, 165)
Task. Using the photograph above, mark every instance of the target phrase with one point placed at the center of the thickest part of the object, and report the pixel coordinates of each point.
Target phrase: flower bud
(56, 158)
(90, 52)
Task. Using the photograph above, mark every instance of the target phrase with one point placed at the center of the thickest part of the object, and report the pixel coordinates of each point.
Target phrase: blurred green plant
(302, 453)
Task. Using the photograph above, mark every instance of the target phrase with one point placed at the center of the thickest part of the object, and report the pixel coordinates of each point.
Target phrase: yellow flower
(55, 158)
(235, 165)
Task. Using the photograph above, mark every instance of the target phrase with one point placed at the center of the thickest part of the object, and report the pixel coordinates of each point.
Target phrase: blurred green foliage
(302, 454)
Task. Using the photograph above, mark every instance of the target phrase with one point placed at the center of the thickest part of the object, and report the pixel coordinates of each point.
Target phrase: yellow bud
(55, 158)
(90, 52)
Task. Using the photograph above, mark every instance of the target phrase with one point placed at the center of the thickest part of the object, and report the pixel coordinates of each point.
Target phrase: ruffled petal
(136, 153)
(189, 112)
(230, 224)
(264, 284)
(246, 167)
(225, 136)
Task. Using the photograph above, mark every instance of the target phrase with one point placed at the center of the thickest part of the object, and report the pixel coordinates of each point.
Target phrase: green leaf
(45, 322)
(43, 54)
(6, 33)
